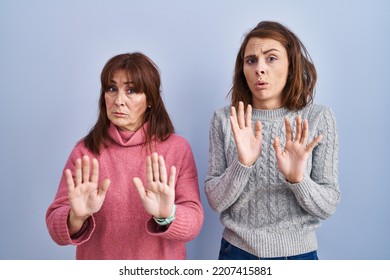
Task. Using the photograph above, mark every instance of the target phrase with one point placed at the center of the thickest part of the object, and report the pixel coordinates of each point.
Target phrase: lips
(261, 85)
(119, 114)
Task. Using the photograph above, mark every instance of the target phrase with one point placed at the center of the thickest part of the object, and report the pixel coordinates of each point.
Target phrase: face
(125, 106)
(265, 70)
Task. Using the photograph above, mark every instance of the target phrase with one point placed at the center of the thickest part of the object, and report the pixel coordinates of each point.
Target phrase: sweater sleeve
(189, 211)
(319, 193)
(223, 184)
(57, 213)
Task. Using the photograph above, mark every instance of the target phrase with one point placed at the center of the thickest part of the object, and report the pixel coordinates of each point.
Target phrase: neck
(267, 104)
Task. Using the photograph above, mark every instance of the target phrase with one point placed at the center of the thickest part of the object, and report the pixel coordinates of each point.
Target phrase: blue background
(51, 55)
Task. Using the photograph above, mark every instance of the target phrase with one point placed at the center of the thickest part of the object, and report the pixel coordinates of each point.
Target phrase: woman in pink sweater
(130, 187)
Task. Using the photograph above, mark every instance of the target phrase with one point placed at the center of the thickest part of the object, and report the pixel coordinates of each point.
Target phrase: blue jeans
(231, 252)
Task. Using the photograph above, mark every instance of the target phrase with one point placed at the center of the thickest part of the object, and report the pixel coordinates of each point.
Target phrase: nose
(119, 100)
(260, 68)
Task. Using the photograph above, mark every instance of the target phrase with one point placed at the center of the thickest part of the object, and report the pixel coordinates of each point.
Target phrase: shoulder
(317, 111)
(80, 149)
(321, 119)
(178, 141)
(222, 112)
(176, 149)
(220, 115)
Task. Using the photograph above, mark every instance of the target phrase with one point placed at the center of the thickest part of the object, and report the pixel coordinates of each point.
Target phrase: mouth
(261, 83)
(119, 114)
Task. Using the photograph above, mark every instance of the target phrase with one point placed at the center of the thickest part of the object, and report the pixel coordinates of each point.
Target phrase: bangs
(132, 73)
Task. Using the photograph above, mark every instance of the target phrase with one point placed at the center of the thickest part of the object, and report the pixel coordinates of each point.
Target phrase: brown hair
(146, 78)
(302, 77)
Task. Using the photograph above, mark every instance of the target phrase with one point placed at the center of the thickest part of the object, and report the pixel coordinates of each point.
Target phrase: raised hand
(85, 196)
(248, 142)
(158, 197)
(292, 160)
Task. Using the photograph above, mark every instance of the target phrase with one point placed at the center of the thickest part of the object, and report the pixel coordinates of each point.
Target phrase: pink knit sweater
(122, 229)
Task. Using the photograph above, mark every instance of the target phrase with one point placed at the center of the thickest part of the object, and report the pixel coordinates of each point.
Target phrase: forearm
(319, 192)
(56, 221)
(222, 191)
(319, 200)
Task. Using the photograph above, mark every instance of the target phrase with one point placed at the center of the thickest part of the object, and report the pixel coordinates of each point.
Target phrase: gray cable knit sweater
(262, 213)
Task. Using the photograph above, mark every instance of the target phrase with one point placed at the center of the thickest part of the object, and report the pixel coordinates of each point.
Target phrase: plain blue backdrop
(51, 55)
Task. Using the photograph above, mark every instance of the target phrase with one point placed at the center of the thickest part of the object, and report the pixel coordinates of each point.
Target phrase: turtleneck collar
(127, 138)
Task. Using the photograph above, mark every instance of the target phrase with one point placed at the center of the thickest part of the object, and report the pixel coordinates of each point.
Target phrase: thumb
(258, 129)
(172, 177)
(140, 187)
(311, 146)
(104, 187)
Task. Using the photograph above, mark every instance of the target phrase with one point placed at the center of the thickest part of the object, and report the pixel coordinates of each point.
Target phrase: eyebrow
(270, 50)
(126, 83)
(263, 52)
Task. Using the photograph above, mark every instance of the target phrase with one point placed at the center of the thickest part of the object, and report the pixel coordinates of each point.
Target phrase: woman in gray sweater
(273, 157)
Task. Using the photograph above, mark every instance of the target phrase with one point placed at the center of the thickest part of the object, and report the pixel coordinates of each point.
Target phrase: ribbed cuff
(185, 227)
(62, 231)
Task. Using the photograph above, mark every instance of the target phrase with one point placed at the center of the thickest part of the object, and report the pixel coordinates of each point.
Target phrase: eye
(131, 91)
(251, 61)
(111, 90)
(272, 58)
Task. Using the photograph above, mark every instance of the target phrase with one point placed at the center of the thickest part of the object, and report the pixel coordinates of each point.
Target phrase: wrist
(246, 163)
(166, 221)
(75, 223)
(77, 219)
(295, 180)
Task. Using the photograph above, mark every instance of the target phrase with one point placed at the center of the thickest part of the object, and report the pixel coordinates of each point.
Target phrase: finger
(163, 170)
(149, 172)
(289, 135)
(241, 118)
(298, 129)
(140, 187)
(313, 143)
(277, 146)
(155, 167)
(305, 133)
(78, 173)
(69, 180)
(233, 123)
(233, 120)
(95, 171)
(85, 169)
(248, 117)
(258, 130)
(172, 177)
(233, 112)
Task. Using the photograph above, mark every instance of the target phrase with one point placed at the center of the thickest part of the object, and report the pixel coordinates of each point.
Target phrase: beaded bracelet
(166, 221)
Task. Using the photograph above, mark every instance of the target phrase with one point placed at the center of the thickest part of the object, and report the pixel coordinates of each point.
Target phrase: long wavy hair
(146, 78)
(302, 75)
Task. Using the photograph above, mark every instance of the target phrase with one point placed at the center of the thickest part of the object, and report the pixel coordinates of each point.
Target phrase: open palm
(85, 196)
(248, 142)
(292, 161)
(158, 197)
